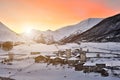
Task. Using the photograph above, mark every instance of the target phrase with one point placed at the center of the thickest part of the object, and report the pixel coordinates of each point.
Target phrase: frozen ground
(92, 47)
(26, 69)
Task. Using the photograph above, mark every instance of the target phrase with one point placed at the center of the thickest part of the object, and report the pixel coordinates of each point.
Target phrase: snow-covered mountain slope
(50, 36)
(8, 35)
(39, 36)
(78, 28)
(107, 30)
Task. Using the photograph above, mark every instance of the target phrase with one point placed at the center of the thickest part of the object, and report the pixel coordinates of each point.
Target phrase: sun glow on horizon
(53, 14)
(27, 29)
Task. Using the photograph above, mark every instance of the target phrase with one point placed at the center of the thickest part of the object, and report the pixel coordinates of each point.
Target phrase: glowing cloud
(53, 14)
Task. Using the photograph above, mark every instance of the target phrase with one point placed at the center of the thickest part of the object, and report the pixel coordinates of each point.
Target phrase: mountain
(40, 36)
(43, 36)
(75, 29)
(107, 30)
(52, 36)
(8, 35)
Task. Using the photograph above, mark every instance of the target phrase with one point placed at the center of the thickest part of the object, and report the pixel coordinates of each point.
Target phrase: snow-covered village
(86, 50)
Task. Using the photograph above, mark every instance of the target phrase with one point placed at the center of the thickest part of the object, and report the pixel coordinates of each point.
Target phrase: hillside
(50, 36)
(107, 30)
(8, 35)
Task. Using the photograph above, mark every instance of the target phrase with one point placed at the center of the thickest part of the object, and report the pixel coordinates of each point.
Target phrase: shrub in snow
(0, 45)
(7, 46)
(18, 43)
(98, 55)
(10, 56)
(6, 78)
(104, 73)
(34, 53)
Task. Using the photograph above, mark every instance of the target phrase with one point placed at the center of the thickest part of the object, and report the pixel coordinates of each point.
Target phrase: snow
(65, 31)
(109, 62)
(43, 48)
(73, 58)
(78, 28)
(8, 35)
(101, 55)
(26, 69)
(108, 47)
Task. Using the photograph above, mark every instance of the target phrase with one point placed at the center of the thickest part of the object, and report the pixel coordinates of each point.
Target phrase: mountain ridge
(100, 32)
(7, 34)
(67, 30)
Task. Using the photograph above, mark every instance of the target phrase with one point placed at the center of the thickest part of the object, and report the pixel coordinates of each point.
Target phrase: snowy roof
(73, 58)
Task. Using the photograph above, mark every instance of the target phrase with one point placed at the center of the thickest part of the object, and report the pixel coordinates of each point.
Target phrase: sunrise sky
(20, 15)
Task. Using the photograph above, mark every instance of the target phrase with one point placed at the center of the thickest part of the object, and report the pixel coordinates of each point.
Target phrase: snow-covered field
(93, 47)
(26, 69)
